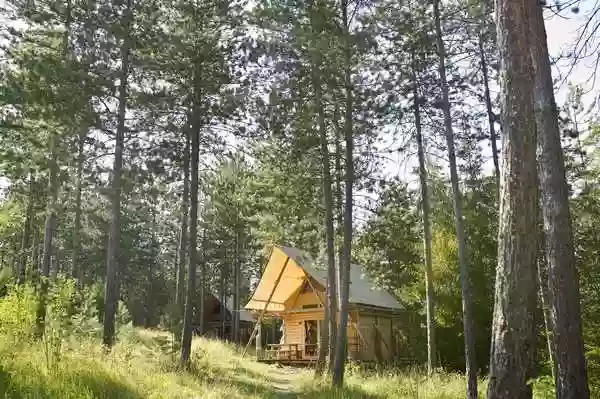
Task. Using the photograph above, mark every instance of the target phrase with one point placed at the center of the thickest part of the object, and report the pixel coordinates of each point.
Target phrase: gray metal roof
(244, 314)
(362, 289)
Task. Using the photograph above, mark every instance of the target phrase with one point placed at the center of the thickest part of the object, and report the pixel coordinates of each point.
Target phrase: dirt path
(286, 380)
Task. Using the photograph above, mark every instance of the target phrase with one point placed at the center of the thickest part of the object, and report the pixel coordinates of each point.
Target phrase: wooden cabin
(292, 288)
(218, 319)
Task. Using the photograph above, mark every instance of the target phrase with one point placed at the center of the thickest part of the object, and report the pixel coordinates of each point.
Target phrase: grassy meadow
(142, 366)
(69, 362)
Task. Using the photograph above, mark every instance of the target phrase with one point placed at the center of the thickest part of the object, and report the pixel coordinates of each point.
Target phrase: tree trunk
(341, 344)
(542, 275)
(26, 235)
(223, 295)
(55, 269)
(77, 271)
(328, 204)
(202, 284)
(430, 304)
(513, 335)
(333, 274)
(111, 288)
(471, 368)
(149, 274)
(186, 339)
(183, 237)
(490, 112)
(236, 287)
(49, 226)
(571, 373)
(35, 253)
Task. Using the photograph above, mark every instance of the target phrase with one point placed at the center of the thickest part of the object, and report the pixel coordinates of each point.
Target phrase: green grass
(142, 366)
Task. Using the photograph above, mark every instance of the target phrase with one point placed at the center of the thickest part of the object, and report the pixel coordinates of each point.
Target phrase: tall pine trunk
(341, 348)
(513, 328)
(111, 288)
(186, 339)
(202, 283)
(77, 271)
(423, 178)
(26, 234)
(471, 368)
(333, 272)
(183, 235)
(237, 265)
(49, 226)
(563, 281)
(490, 111)
(223, 295)
(54, 187)
(542, 275)
(328, 205)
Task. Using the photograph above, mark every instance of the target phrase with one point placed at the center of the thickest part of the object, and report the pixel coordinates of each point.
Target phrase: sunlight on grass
(138, 367)
(143, 365)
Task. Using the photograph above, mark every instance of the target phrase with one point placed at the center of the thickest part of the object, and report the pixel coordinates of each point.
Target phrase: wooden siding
(376, 337)
(306, 298)
(294, 325)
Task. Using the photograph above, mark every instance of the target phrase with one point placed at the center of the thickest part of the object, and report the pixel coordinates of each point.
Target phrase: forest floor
(142, 365)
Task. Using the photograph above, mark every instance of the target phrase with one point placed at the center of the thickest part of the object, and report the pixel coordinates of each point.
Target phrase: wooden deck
(296, 354)
(289, 353)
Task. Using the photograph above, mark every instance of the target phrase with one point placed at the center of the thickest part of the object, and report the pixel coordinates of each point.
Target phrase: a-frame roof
(288, 268)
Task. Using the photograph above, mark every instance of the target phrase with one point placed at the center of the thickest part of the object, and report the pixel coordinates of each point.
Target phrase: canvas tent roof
(292, 266)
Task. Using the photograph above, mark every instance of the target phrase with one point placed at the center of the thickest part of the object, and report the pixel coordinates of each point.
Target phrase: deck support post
(264, 309)
(258, 339)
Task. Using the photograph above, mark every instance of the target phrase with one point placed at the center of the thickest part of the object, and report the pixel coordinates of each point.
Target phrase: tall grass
(71, 363)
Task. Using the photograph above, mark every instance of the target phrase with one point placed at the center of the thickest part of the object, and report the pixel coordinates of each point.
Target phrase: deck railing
(293, 351)
(289, 352)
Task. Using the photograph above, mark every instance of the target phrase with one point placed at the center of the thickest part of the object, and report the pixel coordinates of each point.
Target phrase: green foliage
(6, 275)
(543, 387)
(17, 314)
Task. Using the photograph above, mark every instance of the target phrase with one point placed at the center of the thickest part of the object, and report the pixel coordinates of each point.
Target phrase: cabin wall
(294, 325)
(376, 329)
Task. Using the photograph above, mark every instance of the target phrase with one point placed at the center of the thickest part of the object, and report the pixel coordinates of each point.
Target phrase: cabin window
(311, 306)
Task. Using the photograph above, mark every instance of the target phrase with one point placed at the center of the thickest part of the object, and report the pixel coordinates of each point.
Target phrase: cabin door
(312, 331)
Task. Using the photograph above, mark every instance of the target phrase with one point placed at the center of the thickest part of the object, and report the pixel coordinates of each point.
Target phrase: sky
(562, 31)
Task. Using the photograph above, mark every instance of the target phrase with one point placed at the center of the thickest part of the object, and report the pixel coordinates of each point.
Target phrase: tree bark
(223, 294)
(202, 284)
(26, 235)
(563, 281)
(490, 112)
(333, 274)
(471, 368)
(77, 271)
(542, 275)
(513, 335)
(236, 288)
(111, 288)
(183, 237)
(341, 339)
(429, 297)
(186, 339)
(49, 227)
(328, 205)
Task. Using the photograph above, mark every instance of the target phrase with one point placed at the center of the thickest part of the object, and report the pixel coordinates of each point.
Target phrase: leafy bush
(17, 313)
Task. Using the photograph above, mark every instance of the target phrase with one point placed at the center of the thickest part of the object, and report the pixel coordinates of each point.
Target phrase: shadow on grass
(327, 392)
(92, 383)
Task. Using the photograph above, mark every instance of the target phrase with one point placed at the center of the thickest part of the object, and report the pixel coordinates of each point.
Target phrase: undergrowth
(70, 363)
